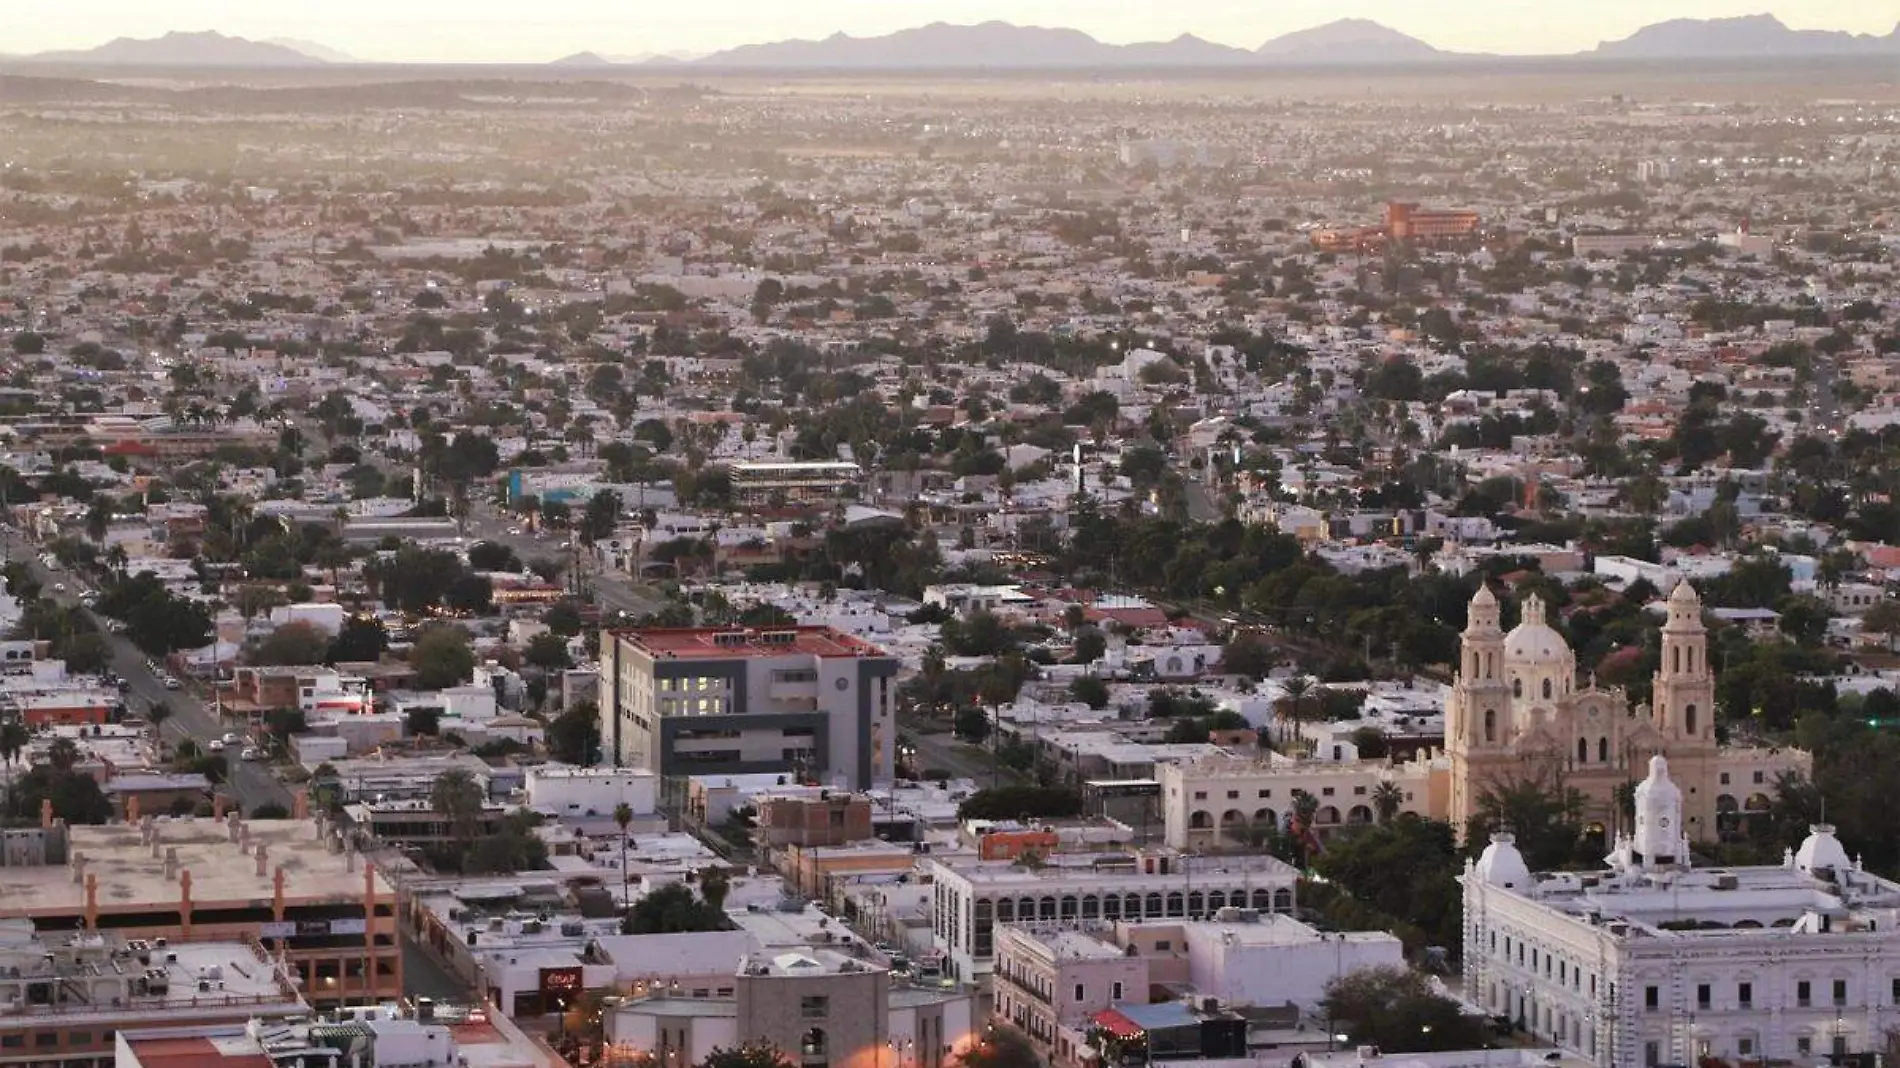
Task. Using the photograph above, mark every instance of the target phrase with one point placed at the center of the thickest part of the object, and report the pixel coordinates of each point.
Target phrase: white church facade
(1653, 962)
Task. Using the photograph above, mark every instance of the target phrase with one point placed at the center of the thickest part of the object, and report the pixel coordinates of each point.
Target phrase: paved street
(251, 783)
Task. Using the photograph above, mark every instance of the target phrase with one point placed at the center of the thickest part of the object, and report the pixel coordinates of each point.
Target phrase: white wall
(580, 790)
(1242, 974)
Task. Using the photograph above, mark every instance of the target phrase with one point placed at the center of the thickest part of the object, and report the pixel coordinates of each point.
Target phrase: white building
(565, 790)
(1244, 957)
(971, 899)
(1653, 962)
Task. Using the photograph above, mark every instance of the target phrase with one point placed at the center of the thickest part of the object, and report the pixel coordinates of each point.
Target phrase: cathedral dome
(1821, 851)
(1502, 865)
(1533, 642)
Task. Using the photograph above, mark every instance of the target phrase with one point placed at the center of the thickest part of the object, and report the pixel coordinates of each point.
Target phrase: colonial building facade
(1651, 961)
(1518, 711)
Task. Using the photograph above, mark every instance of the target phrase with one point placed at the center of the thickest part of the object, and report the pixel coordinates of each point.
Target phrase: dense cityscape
(742, 570)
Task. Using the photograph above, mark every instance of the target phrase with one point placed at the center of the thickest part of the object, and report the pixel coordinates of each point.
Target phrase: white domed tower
(1660, 840)
(1537, 661)
(1682, 705)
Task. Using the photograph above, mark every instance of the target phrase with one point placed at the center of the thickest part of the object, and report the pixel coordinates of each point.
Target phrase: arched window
(1490, 724)
(1603, 750)
(1692, 658)
(1546, 689)
(1517, 687)
(1490, 667)
(1675, 658)
(1688, 718)
(1583, 750)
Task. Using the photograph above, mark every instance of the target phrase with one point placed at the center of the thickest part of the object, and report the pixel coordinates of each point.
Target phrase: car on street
(59, 587)
(216, 745)
(250, 753)
(232, 738)
(171, 682)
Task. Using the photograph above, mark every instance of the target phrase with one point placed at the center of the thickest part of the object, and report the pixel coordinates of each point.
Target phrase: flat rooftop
(1712, 903)
(729, 643)
(204, 977)
(131, 879)
(1108, 871)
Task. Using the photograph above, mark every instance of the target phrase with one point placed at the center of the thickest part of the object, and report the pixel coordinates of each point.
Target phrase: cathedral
(1518, 711)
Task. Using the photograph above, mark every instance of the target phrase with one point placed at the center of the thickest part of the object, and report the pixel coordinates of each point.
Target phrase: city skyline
(428, 31)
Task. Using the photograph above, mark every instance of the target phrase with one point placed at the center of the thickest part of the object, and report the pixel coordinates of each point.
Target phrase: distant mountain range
(1749, 35)
(1001, 45)
(207, 49)
(313, 49)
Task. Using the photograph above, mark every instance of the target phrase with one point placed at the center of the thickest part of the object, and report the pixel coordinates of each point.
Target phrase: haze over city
(491, 31)
(949, 534)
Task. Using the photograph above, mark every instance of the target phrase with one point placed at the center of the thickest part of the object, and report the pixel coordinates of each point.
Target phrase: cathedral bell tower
(1683, 694)
(1478, 715)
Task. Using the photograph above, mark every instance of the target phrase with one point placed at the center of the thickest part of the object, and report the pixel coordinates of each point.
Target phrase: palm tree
(13, 741)
(1386, 799)
(457, 796)
(156, 716)
(623, 815)
(63, 754)
(1293, 701)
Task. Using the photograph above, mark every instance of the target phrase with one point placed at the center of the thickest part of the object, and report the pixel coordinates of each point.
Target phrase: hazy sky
(513, 30)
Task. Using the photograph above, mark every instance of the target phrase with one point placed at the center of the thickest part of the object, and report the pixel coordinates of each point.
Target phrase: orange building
(1406, 222)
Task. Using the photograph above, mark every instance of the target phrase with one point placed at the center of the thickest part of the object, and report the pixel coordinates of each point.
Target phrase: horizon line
(696, 56)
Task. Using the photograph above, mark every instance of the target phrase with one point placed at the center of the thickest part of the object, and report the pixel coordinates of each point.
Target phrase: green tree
(361, 639)
(269, 810)
(672, 909)
(457, 796)
(574, 735)
(1091, 690)
(1545, 816)
(601, 517)
(1021, 802)
(750, 1055)
(1387, 798)
(548, 652)
(442, 657)
(293, 643)
(972, 724)
(623, 818)
(1396, 1009)
(1405, 868)
(1247, 653)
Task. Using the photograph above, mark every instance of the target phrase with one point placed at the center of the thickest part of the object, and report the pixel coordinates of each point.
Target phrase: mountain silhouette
(177, 49)
(942, 45)
(1349, 41)
(1747, 35)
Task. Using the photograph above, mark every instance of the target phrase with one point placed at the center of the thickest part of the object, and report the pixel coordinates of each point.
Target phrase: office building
(791, 481)
(1652, 961)
(806, 702)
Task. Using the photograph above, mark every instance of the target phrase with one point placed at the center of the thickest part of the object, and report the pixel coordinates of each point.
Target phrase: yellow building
(1518, 712)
